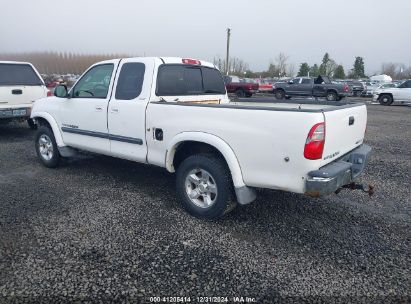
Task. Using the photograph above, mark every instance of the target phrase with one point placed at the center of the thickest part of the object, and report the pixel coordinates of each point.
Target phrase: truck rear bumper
(333, 176)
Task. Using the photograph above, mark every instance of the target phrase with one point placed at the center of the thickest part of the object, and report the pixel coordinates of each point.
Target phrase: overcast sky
(378, 30)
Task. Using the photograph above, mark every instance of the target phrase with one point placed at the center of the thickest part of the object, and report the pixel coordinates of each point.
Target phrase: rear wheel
(46, 147)
(279, 94)
(385, 100)
(204, 186)
(240, 93)
(331, 96)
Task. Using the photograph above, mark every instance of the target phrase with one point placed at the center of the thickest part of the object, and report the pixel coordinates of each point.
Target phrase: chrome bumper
(333, 176)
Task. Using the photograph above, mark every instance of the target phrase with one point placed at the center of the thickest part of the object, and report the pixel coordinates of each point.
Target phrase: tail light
(346, 88)
(191, 61)
(314, 145)
(49, 93)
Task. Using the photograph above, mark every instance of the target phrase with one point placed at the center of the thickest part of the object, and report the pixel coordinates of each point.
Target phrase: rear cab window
(130, 81)
(18, 74)
(185, 80)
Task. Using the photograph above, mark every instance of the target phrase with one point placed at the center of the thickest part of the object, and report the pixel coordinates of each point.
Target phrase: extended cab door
(127, 109)
(306, 86)
(83, 116)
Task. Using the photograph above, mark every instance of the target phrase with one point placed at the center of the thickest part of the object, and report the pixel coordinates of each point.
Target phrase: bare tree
(390, 69)
(281, 64)
(291, 70)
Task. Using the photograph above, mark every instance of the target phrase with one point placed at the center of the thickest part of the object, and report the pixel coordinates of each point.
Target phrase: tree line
(60, 63)
(72, 63)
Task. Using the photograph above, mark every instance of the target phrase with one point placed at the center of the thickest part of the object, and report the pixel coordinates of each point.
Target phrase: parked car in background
(20, 86)
(309, 86)
(369, 89)
(356, 87)
(265, 85)
(233, 84)
(387, 96)
(175, 113)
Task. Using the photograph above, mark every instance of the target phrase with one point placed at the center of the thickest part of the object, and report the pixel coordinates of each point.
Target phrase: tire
(31, 124)
(240, 93)
(46, 147)
(385, 100)
(355, 93)
(331, 96)
(208, 179)
(279, 94)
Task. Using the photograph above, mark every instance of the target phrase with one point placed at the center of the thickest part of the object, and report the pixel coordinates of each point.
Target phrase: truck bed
(263, 134)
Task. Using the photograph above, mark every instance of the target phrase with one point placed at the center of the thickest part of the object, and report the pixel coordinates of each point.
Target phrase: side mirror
(290, 82)
(61, 91)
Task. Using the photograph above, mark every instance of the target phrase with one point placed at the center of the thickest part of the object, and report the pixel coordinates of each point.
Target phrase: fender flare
(53, 124)
(212, 140)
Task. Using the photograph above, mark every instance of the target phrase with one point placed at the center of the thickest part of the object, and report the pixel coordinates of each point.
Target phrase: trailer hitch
(355, 186)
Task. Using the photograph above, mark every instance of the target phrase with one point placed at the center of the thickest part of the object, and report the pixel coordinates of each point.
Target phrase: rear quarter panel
(260, 139)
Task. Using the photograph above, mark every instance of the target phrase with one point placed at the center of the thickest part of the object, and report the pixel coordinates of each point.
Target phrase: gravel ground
(103, 229)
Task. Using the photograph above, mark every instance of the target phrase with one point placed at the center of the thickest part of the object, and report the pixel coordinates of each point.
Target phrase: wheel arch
(211, 141)
(46, 118)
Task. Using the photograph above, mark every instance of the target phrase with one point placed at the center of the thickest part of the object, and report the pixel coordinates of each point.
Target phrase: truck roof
(169, 60)
(15, 62)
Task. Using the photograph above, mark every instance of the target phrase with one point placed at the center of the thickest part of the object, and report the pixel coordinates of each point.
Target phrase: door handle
(114, 110)
(98, 108)
(17, 92)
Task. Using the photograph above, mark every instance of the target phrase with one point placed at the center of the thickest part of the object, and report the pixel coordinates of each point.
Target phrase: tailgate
(345, 129)
(20, 94)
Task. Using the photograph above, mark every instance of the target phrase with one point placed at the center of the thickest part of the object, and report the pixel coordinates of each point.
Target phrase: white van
(20, 86)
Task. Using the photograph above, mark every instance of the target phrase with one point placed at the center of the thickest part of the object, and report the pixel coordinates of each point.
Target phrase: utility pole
(228, 51)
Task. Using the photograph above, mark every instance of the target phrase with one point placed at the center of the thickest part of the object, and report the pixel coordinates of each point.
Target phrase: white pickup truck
(20, 86)
(175, 113)
(387, 95)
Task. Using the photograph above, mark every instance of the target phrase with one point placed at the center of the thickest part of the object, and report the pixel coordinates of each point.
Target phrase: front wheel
(204, 186)
(385, 100)
(46, 147)
(279, 94)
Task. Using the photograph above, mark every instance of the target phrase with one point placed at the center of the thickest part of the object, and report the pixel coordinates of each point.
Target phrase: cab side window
(95, 83)
(130, 80)
(306, 81)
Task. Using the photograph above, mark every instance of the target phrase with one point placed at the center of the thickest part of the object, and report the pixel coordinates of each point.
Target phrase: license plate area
(13, 113)
(19, 112)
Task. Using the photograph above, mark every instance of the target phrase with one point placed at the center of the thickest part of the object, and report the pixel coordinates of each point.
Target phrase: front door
(403, 92)
(83, 116)
(293, 87)
(127, 109)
